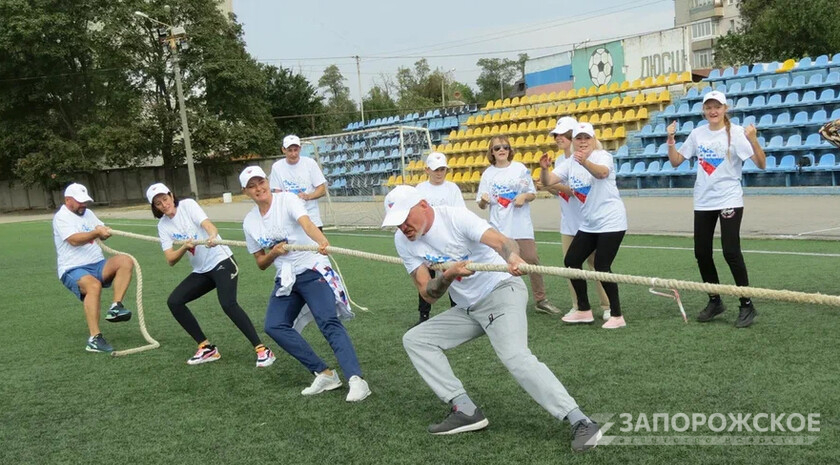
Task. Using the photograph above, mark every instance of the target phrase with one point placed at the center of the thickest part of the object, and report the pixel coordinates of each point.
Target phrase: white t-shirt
(281, 222)
(601, 207)
(186, 224)
(503, 185)
(454, 236)
(303, 176)
(570, 215)
(447, 194)
(718, 183)
(67, 223)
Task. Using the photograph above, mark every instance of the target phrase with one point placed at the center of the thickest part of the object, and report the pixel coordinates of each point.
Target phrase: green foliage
(498, 74)
(289, 94)
(775, 30)
(341, 110)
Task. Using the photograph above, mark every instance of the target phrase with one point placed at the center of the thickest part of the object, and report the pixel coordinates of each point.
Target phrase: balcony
(713, 9)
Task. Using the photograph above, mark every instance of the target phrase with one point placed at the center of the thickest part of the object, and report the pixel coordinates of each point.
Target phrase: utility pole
(361, 96)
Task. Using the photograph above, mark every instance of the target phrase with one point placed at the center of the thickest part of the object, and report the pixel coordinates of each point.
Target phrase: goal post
(361, 166)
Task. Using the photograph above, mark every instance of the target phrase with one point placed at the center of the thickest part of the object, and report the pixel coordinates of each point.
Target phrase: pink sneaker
(614, 322)
(579, 317)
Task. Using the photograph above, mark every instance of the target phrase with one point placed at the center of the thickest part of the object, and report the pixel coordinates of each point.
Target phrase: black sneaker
(458, 422)
(118, 313)
(585, 435)
(745, 316)
(98, 344)
(712, 310)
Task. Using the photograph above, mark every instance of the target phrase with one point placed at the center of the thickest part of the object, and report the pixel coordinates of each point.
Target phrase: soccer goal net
(361, 166)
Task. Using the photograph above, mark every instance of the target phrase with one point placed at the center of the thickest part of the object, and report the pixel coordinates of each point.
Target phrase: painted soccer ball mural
(600, 66)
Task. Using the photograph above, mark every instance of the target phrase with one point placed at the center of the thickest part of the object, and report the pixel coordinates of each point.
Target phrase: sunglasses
(496, 148)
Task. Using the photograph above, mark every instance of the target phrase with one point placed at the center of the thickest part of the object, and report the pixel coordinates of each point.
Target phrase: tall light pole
(361, 96)
(175, 34)
(442, 84)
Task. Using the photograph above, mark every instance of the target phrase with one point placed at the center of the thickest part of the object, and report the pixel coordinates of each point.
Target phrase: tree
(290, 94)
(379, 104)
(775, 30)
(341, 110)
(497, 74)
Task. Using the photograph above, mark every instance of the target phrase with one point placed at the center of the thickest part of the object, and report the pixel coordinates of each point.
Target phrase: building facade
(706, 20)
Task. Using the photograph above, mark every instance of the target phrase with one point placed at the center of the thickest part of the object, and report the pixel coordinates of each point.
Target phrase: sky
(308, 36)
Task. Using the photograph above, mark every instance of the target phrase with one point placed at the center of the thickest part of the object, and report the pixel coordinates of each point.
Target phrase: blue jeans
(311, 289)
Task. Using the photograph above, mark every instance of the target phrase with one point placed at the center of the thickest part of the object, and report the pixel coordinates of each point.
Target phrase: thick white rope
(572, 273)
(152, 344)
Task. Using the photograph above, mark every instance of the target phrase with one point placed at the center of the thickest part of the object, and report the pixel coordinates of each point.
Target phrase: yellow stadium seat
(456, 148)
(606, 134)
(457, 178)
(478, 121)
(642, 114)
(602, 89)
(468, 134)
(787, 65)
(537, 155)
(618, 116)
(583, 119)
(498, 103)
(411, 166)
(639, 100)
(392, 181)
(522, 128)
(685, 76)
(483, 145)
(593, 91)
(615, 102)
(475, 177)
(571, 94)
(603, 104)
(542, 98)
(570, 108)
(552, 96)
(664, 96)
(542, 126)
(469, 162)
(535, 173)
(528, 158)
(624, 86)
(505, 103)
(630, 115)
(648, 82)
(532, 126)
(473, 146)
(627, 101)
(446, 148)
(636, 84)
(592, 105)
(595, 119)
(672, 78)
(518, 157)
(541, 141)
(453, 135)
(650, 97)
(471, 120)
(399, 180)
(449, 176)
(530, 141)
(606, 118)
(614, 87)
(494, 130)
(660, 80)
(542, 112)
(505, 116)
(519, 143)
(503, 129)
(597, 133)
(515, 101)
(620, 133)
(532, 113)
(550, 155)
(491, 105)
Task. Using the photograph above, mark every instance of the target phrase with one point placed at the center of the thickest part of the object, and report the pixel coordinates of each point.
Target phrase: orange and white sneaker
(578, 317)
(205, 353)
(615, 322)
(265, 358)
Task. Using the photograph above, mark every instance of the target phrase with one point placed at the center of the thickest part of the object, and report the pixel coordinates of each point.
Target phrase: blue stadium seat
(743, 70)
(692, 93)
(798, 82)
(813, 141)
(794, 142)
(809, 97)
(757, 68)
(728, 72)
(783, 120)
(833, 78)
(666, 168)
(805, 62)
(758, 102)
(815, 80)
(826, 96)
(743, 103)
(646, 130)
(771, 162)
(791, 100)
(624, 169)
(687, 127)
(734, 89)
(721, 88)
(735, 120)
(650, 150)
(788, 163)
(749, 166)
(663, 149)
(660, 129)
(771, 67)
(774, 100)
(638, 168)
(781, 84)
(775, 143)
(670, 110)
(834, 115)
(703, 122)
(622, 152)
(765, 121)
(835, 59)
(821, 61)
(684, 109)
(653, 168)
(765, 85)
(715, 73)
(697, 108)
(750, 87)
(800, 118)
(684, 168)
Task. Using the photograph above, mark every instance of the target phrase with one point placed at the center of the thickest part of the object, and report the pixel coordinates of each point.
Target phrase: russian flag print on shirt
(504, 195)
(580, 187)
(293, 187)
(709, 159)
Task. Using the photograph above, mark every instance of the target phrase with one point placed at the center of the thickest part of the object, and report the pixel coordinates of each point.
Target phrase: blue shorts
(71, 277)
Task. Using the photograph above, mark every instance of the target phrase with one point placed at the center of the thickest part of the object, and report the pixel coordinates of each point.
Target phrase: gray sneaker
(585, 435)
(458, 422)
(118, 313)
(544, 306)
(98, 344)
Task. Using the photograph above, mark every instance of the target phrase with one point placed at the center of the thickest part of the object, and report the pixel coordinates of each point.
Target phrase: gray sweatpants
(500, 315)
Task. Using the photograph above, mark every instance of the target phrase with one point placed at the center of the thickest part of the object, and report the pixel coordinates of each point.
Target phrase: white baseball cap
(436, 160)
(397, 204)
(583, 128)
(291, 140)
(715, 95)
(251, 172)
(564, 125)
(155, 189)
(78, 192)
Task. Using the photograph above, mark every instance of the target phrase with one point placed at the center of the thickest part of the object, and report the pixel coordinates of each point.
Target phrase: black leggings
(605, 246)
(730, 238)
(196, 285)
(425, 307)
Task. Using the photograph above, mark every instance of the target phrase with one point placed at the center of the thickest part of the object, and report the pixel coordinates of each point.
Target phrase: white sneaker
(570, 312)
(359, 389)
(607, 314)
(323, 383)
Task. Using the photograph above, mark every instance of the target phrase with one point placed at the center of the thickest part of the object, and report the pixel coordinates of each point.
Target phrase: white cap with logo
(291, 140)
(583, 128)
(78, 192)
(397, 204)
(155, 189)
(564, 125)
(251, 172)
(436, 160)
(715, 95)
